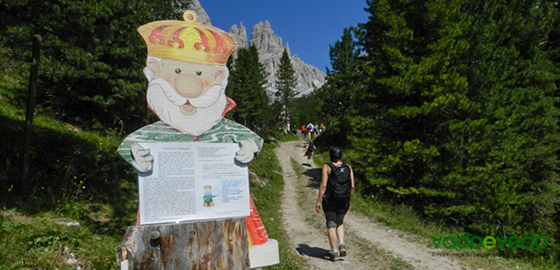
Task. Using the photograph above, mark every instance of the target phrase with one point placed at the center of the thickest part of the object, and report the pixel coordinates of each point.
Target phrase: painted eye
(178, 71)
(198, 72)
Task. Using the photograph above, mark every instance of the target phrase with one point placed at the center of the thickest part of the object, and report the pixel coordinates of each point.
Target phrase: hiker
(309, 150)
(335, 192)
(309, 128)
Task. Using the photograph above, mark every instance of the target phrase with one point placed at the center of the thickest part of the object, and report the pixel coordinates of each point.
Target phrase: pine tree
(459, 118)
(507, 151)
(286, 84)
(246, 86)
(412, 90)
(341, 94)
(305, 109)
(91, 58)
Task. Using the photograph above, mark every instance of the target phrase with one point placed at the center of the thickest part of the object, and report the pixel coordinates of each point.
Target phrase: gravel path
(370, 246)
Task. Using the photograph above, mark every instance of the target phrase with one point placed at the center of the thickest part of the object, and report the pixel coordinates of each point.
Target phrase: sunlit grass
(403, 218)
(267, 201)
(49, 242)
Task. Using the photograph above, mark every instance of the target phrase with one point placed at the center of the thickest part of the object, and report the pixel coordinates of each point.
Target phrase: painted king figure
(187, 75)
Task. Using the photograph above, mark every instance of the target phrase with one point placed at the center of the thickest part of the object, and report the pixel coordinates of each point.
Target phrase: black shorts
(335, 212)
(334, 219)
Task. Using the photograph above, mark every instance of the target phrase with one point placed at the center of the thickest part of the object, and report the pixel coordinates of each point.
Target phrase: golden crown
(188, 41)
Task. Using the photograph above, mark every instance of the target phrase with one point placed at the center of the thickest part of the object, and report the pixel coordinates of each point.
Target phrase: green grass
(371, 255)
(296, 166)
(78, 176)
(267, 201)
(287, 137)
(403, 218)
(45, 242)
(74, 176)
(39, 241)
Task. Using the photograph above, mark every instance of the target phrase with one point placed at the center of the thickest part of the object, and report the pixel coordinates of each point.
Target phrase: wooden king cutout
(187, 76)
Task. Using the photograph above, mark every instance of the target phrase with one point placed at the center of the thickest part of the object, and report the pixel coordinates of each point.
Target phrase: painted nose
(189, 86)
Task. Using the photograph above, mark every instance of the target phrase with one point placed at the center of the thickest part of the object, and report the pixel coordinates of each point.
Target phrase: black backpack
(310, 146)
(339, 183)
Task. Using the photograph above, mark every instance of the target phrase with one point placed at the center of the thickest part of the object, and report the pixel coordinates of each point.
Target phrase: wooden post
(29, 114)
(215, 244)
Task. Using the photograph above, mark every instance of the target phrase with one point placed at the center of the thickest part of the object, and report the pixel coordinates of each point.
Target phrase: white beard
(165, 103)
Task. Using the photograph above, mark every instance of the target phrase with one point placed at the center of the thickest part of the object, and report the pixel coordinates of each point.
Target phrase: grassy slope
(267, 195)
(74, 176)
(401, 217)
(78, 176)
(46, 243)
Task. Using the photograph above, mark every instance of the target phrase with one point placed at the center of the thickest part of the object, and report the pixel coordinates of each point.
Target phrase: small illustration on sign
(208, 197)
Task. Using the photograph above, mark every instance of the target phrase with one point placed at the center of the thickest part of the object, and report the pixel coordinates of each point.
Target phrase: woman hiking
(335, 192)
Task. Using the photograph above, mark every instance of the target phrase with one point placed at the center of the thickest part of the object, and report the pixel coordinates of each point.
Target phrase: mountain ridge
(270, 50)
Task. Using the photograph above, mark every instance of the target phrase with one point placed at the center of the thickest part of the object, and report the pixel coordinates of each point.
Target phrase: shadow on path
(314, 177)
(315, 252)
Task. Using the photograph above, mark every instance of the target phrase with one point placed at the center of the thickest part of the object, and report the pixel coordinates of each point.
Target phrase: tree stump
(215, 244)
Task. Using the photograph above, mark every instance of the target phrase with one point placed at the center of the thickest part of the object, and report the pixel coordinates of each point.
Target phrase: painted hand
(246, 152)
(143, 160)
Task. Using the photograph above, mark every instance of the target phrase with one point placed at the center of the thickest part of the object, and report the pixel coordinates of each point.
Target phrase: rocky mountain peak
(264, 39)
(240, 36)
(287, 47)
(270, 50)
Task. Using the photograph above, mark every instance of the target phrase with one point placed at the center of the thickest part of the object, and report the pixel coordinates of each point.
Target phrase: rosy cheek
(168, 78)
(206, 82)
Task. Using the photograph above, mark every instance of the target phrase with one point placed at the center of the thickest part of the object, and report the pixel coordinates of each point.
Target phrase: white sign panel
(193, 181)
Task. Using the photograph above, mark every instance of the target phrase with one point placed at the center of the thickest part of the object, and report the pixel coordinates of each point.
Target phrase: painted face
(187, 96)
(189, 80)
(207, 192)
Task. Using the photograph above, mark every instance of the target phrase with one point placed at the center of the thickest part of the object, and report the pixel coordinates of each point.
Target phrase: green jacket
(227, 131)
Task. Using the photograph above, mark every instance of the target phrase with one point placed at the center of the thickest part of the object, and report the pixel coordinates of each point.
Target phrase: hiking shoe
(342, 250)
(334, 256)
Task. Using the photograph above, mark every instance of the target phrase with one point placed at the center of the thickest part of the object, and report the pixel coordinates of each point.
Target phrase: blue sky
(308, 26)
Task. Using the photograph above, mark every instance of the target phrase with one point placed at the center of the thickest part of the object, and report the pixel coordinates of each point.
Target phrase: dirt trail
(370, 246)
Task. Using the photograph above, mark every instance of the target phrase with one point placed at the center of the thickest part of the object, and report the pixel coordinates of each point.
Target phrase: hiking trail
(370, 245)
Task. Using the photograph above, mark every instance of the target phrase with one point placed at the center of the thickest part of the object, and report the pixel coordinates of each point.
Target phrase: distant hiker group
(309, 131)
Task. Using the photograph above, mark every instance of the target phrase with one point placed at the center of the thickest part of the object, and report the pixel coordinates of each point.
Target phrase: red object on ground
(256, 226)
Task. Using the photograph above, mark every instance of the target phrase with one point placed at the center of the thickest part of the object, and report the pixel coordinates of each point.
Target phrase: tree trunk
(215, 244)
